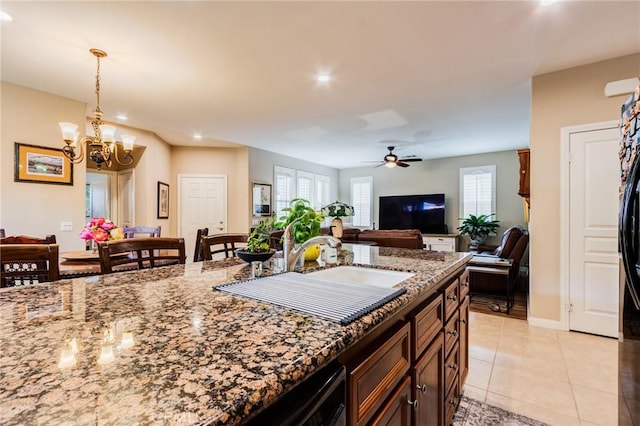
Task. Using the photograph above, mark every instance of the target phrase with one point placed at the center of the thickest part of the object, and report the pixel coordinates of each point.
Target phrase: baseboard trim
(545, 323)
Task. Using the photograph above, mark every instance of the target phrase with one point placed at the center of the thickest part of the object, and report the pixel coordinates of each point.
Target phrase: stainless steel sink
(362, 276)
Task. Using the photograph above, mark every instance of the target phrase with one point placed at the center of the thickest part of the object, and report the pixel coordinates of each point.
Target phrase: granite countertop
(161, 346)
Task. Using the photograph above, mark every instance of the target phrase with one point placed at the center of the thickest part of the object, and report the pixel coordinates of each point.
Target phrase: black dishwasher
(318, 401)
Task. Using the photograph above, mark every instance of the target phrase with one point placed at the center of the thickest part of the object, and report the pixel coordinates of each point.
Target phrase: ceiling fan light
(390, 164)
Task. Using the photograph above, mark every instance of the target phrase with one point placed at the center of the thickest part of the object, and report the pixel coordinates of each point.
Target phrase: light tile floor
(558, 377)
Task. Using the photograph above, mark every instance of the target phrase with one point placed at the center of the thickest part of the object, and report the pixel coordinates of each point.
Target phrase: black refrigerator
(629, 239)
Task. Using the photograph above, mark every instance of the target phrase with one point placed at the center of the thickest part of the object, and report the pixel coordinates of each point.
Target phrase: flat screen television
(423, 212)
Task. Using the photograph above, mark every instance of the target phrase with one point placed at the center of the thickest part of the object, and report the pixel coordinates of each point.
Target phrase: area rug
(496, 305)
(475, 413)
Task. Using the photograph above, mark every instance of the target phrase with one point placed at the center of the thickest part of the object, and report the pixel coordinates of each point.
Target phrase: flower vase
(94, 247)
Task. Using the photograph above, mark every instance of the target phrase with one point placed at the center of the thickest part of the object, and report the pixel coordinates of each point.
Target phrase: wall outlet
(66, 226)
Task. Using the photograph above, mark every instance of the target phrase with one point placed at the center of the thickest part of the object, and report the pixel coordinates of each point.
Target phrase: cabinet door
(397, 410)
(523, 156)
(428, 385)
(373, 380)
(464, 340)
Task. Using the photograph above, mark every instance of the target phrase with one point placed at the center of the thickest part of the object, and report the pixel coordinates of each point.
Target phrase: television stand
(440, 242)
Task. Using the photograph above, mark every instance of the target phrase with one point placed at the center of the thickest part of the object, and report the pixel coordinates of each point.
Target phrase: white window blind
(362, 200)
(477, 191)
(305, 187)
(284, 179)
(323, 186)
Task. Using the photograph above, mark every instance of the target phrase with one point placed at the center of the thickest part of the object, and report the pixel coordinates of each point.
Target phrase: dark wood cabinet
(428, 380)
(410, 370)
(397, 410)
(464, 340)
(523, 191)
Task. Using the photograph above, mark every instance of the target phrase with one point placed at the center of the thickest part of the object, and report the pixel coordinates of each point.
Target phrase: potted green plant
(307, 223)
(478, 228)
(257, 248)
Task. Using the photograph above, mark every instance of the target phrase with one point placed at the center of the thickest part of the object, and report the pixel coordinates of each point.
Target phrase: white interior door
(593, 237)
(126, 198)
(202, 204)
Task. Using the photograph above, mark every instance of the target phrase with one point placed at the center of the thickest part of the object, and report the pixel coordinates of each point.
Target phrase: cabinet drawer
(426, 324)
(451, 403)
(397, 410)
(464, 284)
(451, 298)
(372, 381)
(452, 368)
(451, 332)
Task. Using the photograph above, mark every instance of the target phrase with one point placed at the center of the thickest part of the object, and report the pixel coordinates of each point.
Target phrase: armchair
(501, 276)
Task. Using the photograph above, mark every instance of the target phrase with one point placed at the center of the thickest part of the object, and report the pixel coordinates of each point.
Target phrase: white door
(202, 204)
(593, 237)
(126, 198)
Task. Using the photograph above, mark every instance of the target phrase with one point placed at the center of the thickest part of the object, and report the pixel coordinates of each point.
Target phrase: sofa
(401, 238)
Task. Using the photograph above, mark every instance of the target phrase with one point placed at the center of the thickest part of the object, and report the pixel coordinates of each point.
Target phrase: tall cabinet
(523, 189)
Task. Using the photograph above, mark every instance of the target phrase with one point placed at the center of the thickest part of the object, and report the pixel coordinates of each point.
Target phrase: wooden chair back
(2, 233)
(23, 264)
(198, 253)
(141, 231)
(141, 253)
(222, 243)
(25, 239)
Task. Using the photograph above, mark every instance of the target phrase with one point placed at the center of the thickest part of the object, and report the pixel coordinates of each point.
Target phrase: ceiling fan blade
(401, 164)
(410, 160)
(379, 165)
(372, 161)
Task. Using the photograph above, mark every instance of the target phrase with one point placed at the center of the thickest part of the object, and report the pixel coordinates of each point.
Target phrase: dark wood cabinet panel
(464, 340)
(451, 298)
(451, 403)
(523, 156)
(426, 324)
(428, 381)
(397, 410)
(451, 333)
(375, 378)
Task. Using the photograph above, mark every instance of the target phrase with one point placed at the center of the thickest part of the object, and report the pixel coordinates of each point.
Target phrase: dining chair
(141, 253)
(198, 254)
(24, 264)
(25, 239)
(141, 231)
(222, 243)
(2, 233)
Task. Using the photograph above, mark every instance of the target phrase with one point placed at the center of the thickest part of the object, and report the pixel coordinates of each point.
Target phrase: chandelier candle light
(337, 210)
(103, 145)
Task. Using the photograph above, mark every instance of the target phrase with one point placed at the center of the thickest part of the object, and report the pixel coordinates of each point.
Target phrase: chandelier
(102, 147)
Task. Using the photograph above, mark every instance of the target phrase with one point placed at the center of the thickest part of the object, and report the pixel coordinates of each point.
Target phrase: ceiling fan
(392, 160)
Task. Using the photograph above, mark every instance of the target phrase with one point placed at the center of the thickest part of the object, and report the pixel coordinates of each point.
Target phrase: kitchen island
(162, 346)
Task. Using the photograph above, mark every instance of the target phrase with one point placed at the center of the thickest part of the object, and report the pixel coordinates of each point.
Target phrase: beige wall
(565, 98)
(31, 117)
(443, 176)
(232, 162)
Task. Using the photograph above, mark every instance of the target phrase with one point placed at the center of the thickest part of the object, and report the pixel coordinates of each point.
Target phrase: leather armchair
(512, 246)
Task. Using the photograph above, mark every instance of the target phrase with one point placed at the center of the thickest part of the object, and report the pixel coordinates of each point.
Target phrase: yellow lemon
(312, 253)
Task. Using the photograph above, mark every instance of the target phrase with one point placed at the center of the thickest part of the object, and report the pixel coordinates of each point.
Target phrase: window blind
(477, 191)
(362, 200)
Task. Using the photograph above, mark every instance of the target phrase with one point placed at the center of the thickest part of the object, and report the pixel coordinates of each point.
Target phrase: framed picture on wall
(163, 200)
(261, 199)
(39, 164)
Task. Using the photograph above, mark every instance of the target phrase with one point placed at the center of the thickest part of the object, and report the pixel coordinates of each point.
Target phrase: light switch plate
(66, 226)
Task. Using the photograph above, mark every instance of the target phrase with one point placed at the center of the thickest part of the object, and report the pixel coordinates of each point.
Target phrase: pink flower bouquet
(101, 229)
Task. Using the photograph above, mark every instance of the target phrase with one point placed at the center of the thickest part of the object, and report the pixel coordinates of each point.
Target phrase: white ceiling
(436, 79)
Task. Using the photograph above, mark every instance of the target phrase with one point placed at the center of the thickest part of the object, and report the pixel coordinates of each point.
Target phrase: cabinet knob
(453, 402)
(453, 366)
(452, 297)
(422, 388)
(453, 332)
(413, 404)
(463, 320)
(465, 284)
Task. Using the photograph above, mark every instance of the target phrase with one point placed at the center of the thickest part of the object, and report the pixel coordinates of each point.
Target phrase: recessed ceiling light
(122, 117)
(323, 78)
(5, 17)
(197, 136)
(547, 2)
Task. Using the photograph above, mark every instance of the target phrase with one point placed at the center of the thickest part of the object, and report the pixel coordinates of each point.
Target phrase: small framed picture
(39, 164)
(261, 199)
(163, 200)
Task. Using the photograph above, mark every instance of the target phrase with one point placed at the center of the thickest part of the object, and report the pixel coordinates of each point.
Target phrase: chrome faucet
(292, 254)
